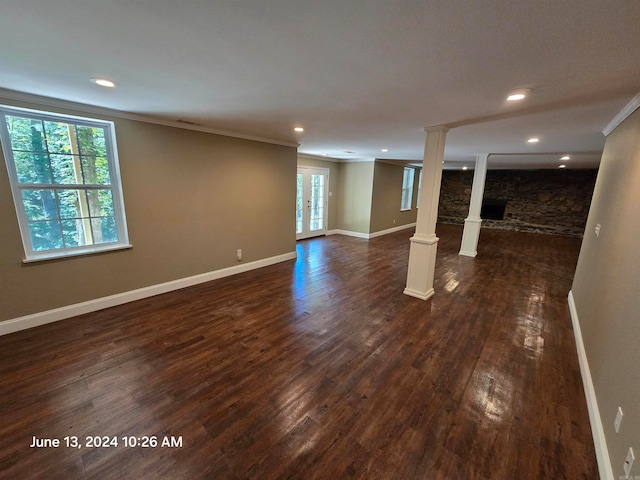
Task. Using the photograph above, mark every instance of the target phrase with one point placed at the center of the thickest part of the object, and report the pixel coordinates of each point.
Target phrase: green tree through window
(65, 182)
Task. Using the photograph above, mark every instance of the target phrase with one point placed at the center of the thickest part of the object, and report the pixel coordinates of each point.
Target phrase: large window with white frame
(407, 188)
(65, 181)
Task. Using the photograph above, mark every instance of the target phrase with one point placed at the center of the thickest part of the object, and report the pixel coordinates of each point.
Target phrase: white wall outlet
(618, 420)
(628, 462)
(598, 229)
(239, 254)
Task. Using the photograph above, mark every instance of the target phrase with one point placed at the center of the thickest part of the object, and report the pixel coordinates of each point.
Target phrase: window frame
(408, 188)
(115, 185)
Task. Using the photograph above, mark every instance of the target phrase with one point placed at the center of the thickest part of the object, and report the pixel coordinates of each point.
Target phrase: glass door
(311, 202)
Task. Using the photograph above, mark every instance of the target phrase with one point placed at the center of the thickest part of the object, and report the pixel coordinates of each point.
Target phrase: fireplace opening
(493, 209)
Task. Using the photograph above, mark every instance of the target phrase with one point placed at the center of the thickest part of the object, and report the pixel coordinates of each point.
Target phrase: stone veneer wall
(545, 201)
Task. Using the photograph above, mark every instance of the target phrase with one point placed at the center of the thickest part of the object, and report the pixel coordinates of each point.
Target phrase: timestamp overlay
(107, 441)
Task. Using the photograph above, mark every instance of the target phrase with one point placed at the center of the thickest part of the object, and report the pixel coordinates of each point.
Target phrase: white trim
(95, 110)
(599, 440)
(358, 160)
(311, 156)
(55, 254)
(49, 316)
(369, 236)
(631, 107)
(348, 233)
(392, 230)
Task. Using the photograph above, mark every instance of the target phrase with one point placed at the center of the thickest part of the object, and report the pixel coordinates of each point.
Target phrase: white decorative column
(472, 223)
(424, 243)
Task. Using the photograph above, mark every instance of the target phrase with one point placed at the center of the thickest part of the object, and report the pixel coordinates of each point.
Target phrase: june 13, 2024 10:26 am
(105, 441)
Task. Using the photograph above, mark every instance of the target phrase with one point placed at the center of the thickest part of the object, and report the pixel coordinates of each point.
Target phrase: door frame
(324, 171)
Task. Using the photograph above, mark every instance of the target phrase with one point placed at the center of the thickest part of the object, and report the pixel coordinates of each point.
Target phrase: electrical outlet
(628, 462)
(618, 420)
(239, 254)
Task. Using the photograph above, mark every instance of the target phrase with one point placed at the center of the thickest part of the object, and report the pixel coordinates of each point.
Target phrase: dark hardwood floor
(317, 369)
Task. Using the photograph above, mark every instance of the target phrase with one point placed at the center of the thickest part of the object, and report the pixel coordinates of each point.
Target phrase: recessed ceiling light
(299, 129)
(103, 82)
(517, 95)
(324, 154)
(533, 140)
(562, 166)
(464, 168)
(385, 149)
(566, 157)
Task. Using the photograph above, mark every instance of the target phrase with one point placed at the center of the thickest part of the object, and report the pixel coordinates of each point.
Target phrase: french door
(311, 202)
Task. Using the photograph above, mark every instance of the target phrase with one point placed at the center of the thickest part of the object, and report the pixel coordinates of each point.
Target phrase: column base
(470, 236)
(422, 261)
(421, 296)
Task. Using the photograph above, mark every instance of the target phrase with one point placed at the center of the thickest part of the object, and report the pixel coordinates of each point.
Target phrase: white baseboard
(369, 236)
(49, 316)
(392, 230)
(348, 233)
(599, 440)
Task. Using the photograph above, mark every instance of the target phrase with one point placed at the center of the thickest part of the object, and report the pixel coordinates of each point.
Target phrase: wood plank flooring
(318, 368)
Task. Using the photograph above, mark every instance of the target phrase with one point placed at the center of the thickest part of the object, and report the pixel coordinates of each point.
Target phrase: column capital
(437, 128)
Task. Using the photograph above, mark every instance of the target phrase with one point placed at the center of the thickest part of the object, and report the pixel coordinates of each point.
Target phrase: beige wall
(334, 174)
(355, 184)
(191, 200)
(606, 290)
(387, 195)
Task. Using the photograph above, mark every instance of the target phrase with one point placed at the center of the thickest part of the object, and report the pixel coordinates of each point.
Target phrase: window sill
(75, 253)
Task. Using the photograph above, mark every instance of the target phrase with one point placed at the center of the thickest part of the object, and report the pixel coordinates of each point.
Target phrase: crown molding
(631, 107)
(310, 156)
(39, 101)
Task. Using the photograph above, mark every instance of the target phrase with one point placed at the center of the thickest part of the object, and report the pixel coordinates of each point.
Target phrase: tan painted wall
(606, 290)
(191, 200)
(334, 174)
(355, 184)
(387, 195)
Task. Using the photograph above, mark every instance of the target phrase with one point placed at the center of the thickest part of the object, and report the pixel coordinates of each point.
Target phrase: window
(407, 188)
(65, 182)
(419, 188)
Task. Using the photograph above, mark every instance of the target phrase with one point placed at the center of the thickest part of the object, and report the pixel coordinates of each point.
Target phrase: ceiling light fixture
(299, 129)
(385, 149)
(566, 157)
(517, 95)
(464, 168)
(562, 166)
(533, 140)
(103, 82)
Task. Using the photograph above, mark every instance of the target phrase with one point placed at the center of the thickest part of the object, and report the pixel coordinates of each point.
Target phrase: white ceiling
(358, 75)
